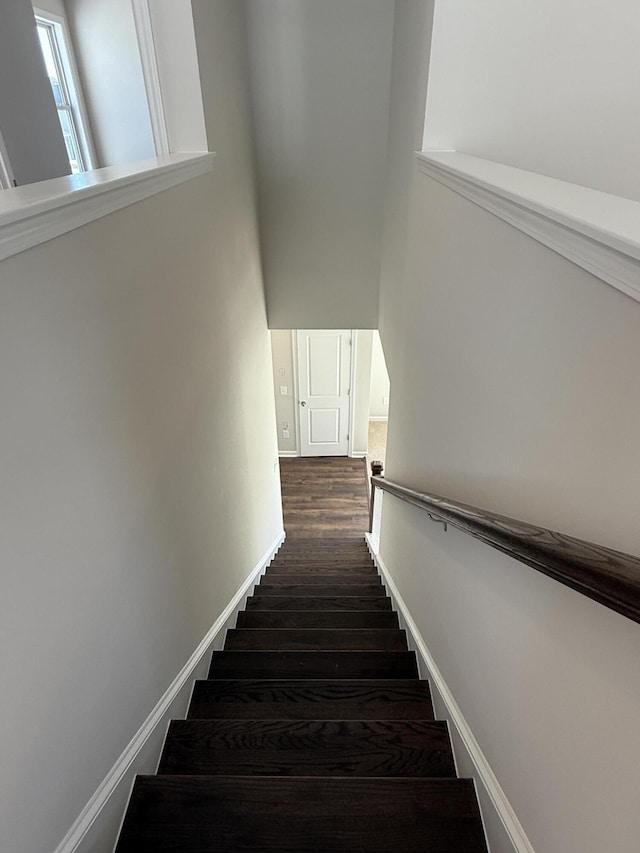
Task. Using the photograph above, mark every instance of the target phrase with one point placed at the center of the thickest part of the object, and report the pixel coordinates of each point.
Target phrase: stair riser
(329, 556)
(317, 619)
(318, 559)
(311, 602)
(319, 563)
(313, 665)
(363, 562)
(315, 639)
(324, 590)
(323, 579)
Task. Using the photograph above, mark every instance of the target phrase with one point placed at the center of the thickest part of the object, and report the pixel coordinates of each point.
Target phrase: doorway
(326, 391)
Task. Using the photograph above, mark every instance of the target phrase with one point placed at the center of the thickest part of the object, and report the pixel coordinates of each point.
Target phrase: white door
(324, 376)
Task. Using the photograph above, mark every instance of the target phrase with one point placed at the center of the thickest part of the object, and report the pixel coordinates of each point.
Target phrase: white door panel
(324, 374)
(324, 426)
(323, 365)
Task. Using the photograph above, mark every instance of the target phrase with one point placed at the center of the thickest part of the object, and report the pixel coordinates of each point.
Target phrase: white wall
(320, 81)
(175, 49)
(56, 6)
(547, 86)
(138, 448)
(284, 375)
(106, 48)
(28, 118)
(361, 391)
(380, 386)
(411, 50)
(514, 376)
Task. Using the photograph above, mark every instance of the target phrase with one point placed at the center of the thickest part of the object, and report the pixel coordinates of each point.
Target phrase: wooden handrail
(609, 577)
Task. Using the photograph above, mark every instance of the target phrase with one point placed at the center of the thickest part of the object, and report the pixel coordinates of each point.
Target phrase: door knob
(303, 403)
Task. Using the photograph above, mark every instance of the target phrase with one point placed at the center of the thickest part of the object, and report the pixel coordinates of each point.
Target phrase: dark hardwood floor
(324, 497)
(313, 732)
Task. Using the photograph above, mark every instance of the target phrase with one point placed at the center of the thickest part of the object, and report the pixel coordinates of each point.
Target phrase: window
(66, 93)
(6, 175)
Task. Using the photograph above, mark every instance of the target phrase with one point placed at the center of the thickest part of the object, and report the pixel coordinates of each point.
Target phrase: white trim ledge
(35, 213)
(595, 230)
(489, 789)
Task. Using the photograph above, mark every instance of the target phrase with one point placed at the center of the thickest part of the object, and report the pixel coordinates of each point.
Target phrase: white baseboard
(379, 418)
(490, 792)
(288, 454)
(358, 454)
(142, 754)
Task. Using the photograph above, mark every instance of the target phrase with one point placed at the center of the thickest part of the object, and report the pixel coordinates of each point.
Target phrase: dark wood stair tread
(198, 814)
(314, 602)
(321, 578)
(341, 542)
(319, 639)
(322, 563)
(323, 548)
(362, 590)
(297, 563)
(318, 558)
(317, 619)
(308, 748)
(321, 699)
(313, 665)
(315, 542)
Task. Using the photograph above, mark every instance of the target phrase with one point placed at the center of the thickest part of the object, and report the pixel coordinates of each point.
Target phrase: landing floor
(324, 497)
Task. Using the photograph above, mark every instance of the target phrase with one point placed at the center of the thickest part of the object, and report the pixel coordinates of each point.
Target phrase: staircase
(313, 731)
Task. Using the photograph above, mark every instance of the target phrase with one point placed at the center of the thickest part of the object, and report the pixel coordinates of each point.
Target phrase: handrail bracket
(445, 525)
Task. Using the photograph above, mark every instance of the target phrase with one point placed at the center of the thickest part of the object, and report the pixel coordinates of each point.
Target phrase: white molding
(288, 454)
(151, 75)
(6, 172)
(485, 775)
(353, 351)
(358, 454)
(379, 418)
(595, 230)
(296, 390)
(35, 213)
(124, 766)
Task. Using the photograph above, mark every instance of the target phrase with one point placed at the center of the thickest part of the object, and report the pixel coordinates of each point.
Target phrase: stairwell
(313, 731)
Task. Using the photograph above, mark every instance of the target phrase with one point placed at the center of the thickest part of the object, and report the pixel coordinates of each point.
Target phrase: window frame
(70, 83)
(7, 178)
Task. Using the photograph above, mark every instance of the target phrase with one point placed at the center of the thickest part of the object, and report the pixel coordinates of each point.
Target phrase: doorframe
(352, 382)
(296, 398)
(352, 391)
